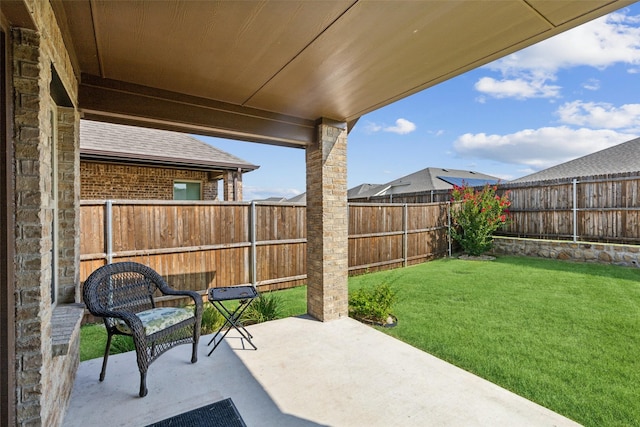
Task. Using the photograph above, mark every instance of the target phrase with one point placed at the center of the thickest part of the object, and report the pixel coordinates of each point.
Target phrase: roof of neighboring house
(351, 193)
(429, 179)
(300, 198)
(131, 144)
(621, 158)
(272, 199)
(361, 189)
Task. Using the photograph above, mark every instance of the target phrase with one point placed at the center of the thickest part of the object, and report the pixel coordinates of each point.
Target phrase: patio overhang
(265, 71)
(125, 103)
(293, 73)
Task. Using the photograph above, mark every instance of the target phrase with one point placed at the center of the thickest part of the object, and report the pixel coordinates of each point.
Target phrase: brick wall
(43, 378)
(68, 205)
(327, 225)
(33, 258)
(232, 186)
(113, 181)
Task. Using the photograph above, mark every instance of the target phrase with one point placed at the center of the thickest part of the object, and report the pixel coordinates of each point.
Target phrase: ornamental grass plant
(268, 306)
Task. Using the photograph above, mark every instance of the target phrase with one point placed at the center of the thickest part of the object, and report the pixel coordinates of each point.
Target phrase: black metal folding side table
(245, 296)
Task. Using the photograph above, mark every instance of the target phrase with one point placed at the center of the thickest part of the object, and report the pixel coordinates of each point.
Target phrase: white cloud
(599, 43)
(402, 127)
(538, 148)
(371, 127)
(601, 115)
(526, 171)
(505, 176)
(520, 88)
(591, 84)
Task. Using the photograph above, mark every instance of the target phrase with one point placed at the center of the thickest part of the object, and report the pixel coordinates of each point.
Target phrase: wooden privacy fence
(595, 209)
(197, 245)
(590, 209)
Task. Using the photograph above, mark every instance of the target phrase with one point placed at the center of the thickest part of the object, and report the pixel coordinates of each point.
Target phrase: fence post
(449, 227)
(405, 236)
(108, 230)
(575, 210)
(252, 237)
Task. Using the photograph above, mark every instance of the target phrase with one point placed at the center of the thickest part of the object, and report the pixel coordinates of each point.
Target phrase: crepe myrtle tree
(476, 214)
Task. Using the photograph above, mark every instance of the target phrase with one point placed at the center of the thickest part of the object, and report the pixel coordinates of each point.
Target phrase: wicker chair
(123, 294)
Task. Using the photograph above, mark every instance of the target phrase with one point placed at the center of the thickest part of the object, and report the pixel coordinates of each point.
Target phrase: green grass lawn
(564, 335)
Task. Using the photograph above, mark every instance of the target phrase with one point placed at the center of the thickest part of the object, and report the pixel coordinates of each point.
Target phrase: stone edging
(603, 253)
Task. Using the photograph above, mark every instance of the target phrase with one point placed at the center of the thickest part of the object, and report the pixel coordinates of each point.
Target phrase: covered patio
(293, 73)
(304, 373)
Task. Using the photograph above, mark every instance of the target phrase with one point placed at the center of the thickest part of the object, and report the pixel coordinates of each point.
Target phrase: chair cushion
(157, 319)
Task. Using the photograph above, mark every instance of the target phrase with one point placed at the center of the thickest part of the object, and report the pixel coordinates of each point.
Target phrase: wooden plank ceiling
(265, 71)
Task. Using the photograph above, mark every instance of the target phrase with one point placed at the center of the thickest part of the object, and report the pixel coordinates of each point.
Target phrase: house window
(187, 190)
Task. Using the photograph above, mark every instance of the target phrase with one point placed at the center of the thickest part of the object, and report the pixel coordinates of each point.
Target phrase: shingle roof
(300, 198)
(272, 199)
(361, 189)
(426, 180)
(108, 141)
(354, 192)
(621, 158)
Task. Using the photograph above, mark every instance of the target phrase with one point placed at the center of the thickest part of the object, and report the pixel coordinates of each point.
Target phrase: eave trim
(125, 103)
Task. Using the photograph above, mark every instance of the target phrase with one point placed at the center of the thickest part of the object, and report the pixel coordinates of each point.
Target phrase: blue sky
(566, 97)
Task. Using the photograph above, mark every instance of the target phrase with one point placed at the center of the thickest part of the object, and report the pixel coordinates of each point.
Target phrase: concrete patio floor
(304, 373)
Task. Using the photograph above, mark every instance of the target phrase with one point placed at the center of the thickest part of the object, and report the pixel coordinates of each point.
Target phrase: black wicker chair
(123, 294)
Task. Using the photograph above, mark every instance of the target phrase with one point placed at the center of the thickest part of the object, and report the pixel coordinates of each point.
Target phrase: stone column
(327, 224)
(232, 186)
(68, 205)
(33, 223)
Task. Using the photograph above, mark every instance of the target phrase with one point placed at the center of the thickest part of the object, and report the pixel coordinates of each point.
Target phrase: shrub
(264, 308)
(478, 215)
(372, 303)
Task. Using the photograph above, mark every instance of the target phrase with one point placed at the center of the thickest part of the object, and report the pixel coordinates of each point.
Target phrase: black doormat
(218, 414)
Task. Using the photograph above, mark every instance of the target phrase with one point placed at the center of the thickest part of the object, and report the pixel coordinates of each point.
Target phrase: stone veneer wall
(327, 224)
(130, 182)
(45, 370)
(581, 251)
(232, 180)
(68, 205)
(33, 225)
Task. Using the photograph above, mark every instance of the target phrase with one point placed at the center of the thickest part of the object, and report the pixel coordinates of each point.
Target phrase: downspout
(108, 230)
